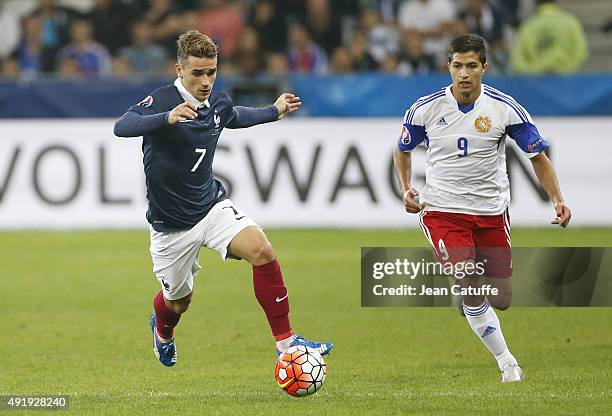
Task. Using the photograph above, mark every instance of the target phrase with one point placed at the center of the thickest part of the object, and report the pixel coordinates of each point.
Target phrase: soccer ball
(300, 371)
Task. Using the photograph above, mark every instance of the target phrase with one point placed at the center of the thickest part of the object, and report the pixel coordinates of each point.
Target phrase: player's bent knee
(502, 303)
(180, 306)
(263, 253)
(502, 306)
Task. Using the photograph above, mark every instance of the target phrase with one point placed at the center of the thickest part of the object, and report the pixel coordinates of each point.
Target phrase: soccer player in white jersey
(464, 204)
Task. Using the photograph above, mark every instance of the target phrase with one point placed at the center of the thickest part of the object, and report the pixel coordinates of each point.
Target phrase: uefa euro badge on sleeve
(405, 135)
(146, 102)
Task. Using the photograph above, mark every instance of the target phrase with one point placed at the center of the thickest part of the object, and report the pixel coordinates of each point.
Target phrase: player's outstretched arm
(547, 176)
(287, 103)
(134, 124)
(243, 117)
(402, 162)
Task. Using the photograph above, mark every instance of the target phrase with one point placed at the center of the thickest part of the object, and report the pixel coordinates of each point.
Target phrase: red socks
(165, 319)
(272, 295)
(270, 292)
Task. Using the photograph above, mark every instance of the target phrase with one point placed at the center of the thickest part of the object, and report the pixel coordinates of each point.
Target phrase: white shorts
(175, 254)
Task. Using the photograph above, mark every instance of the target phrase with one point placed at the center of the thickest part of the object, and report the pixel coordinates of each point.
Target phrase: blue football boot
(322, 348)
(165, 352)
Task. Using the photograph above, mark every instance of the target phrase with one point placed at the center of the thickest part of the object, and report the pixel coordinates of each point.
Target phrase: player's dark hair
(468, 43)
(194, 43)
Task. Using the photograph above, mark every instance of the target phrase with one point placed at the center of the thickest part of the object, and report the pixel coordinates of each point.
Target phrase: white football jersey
(466, 152)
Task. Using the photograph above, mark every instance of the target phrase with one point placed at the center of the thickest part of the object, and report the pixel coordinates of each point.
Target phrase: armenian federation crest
(483, 124)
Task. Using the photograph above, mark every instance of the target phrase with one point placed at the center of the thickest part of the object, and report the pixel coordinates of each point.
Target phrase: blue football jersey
(178, 158)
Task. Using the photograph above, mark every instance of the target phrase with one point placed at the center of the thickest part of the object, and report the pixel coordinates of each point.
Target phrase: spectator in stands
(360, 56)
(511, 10)
(56, 22)
(92, 59)
(264, 16)
(386, 8)
(10, 31)
(170, 70)
(341, 61)
(31, 55)
(346, 9)
(323, 24)
(303, 54)
(9, 68)
(156, 11)
(68, 68)
(297, 9)
(224, 23)
(382, 39)
(413, 59)
(122, 68)
(481, 18)
(433, 19)
(143, 55)
(186, 5)
(291, 9)
(110, 19)
(140, 7)
(248, 59)
(389, 65)
(165, 23)
(277, 65)
(552, 41)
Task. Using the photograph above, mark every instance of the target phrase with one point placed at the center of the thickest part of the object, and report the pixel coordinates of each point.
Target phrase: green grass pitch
(75, 309)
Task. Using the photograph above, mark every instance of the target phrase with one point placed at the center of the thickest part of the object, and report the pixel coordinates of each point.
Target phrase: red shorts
(482, 238)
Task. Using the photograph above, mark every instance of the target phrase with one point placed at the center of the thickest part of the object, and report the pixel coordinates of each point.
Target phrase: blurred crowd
(137, 38)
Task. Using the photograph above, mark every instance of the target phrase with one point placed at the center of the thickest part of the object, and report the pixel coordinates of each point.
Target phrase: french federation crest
(483, 124)
(146, 102)
(405, 135)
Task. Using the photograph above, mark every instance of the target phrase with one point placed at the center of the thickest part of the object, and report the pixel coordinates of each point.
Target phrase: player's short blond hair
(194, 43)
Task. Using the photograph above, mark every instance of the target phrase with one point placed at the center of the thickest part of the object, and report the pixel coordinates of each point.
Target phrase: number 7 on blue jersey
(203, 151)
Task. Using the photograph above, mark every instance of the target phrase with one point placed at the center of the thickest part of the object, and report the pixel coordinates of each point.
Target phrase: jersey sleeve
(242, 117)
(413, 130)
(140, 119)
(239, 117)
(522, 130)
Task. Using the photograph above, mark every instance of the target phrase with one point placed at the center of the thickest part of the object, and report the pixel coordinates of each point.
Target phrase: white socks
(283, 344)
(485, 324)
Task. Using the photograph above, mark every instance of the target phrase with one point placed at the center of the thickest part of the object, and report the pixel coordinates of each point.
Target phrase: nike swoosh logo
(282, 386)
(282, 299)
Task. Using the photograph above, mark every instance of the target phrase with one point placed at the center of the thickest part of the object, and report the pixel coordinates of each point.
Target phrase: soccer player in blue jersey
(464, 204)
(188, 208)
